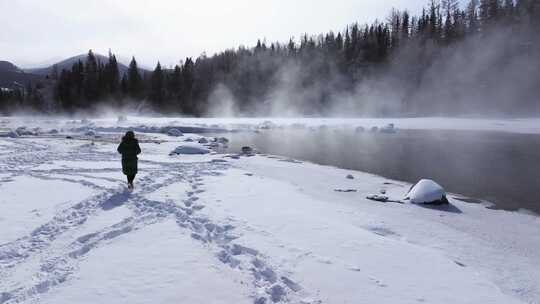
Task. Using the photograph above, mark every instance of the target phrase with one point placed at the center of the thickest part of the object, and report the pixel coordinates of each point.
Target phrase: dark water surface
(502, 168)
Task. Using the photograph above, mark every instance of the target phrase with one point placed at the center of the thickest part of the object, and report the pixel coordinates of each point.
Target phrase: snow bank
(190, 148)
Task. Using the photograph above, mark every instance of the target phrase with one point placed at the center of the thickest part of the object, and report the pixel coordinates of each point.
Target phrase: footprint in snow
(382, 231)
(324, 260)
(378, 282)
(460, 264)
(355, 268)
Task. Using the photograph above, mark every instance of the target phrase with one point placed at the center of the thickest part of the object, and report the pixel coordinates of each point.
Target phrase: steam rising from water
(497, 74)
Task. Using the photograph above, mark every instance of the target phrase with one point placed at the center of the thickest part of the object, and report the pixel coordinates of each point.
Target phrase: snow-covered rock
(174, 132)
(247, 150)
(360, 129)
(427, 191)
(90, 133)
(222, 140)
(389, 129)
(12, 134)
(203, 140)
(190, 148)
(266, 125)
(24, 131)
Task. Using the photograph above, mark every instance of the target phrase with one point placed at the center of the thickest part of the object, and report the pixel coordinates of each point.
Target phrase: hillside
(67, 63)
(11, 75)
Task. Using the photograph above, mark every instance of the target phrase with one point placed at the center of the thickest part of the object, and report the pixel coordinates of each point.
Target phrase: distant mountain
(68, 63)
(11, 76)
(6, 66)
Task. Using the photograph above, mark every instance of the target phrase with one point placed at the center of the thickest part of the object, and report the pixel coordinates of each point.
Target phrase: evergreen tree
(472, 17)
(124, 85)
(111, 74)
(134, 81)
(175, 83)
(91, 78)
(54, 73)
(188, 78)
(157, 87)
(489, 11)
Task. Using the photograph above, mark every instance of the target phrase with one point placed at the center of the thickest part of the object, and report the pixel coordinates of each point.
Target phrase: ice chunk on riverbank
(427, 191)
(190, 148)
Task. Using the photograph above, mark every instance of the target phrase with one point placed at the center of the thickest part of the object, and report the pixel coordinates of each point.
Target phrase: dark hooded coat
(129, 148)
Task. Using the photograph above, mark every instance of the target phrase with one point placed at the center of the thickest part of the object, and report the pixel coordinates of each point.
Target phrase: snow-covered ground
(261, 229)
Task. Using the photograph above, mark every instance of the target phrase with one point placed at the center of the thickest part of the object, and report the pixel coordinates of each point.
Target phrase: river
(502, 168)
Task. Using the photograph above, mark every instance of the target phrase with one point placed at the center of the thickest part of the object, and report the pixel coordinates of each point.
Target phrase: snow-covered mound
(25, 131)
(248, 150)
(222, 140)
(389, 129)
(266, 125)
(427, 191)
(174, 132)
(12, 134)
(90, 133)
(190, 148)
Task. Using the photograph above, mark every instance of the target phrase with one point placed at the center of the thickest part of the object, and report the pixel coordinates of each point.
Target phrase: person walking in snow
(129, 148)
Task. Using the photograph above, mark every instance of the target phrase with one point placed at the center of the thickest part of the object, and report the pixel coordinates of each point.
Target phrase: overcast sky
(35, 32)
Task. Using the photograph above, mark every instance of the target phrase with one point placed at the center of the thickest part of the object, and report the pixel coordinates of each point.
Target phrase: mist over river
(502, 168)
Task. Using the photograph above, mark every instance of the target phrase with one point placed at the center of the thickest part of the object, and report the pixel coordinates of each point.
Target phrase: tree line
(321, 67)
